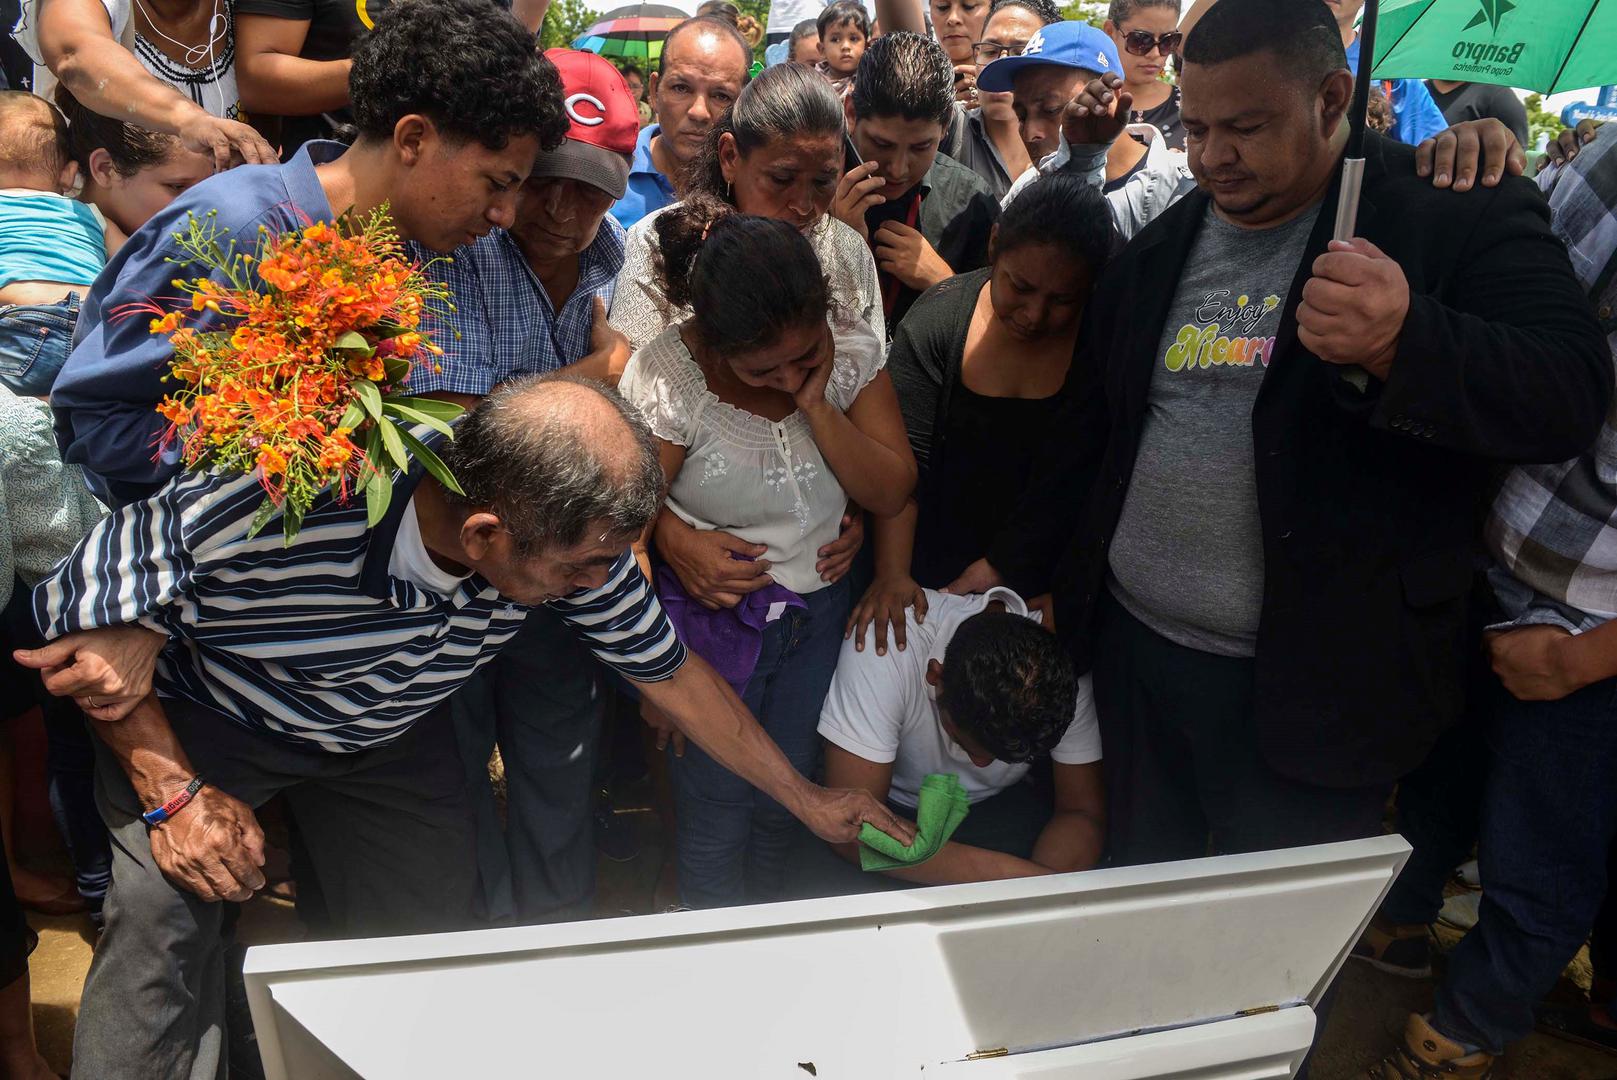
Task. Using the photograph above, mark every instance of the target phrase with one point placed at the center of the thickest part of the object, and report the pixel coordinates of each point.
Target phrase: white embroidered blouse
(640, 311)
(758, 479)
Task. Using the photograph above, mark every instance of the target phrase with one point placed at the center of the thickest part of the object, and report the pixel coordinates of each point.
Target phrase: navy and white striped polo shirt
(317, 641)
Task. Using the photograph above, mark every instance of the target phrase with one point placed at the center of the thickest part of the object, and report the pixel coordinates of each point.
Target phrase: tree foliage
(1542, 124)
(564, 21)
(1092, 12)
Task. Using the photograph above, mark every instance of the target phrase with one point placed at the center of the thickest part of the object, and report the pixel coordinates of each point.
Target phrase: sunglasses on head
(1143, 42)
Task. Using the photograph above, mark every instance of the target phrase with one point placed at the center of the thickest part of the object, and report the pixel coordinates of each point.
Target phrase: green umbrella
(1543, 45)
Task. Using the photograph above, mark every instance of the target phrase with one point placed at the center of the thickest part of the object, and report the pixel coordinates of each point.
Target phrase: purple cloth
(730, 638)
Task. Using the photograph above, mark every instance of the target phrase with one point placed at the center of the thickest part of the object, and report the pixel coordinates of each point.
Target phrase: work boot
(1398, 949)
(1426, 1054)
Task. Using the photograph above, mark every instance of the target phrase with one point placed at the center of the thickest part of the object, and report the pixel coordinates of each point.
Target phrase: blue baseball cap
(1068, 44)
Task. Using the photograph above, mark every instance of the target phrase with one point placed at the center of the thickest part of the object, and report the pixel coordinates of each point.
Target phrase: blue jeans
(541, 700)
(34, 342)
(1549, 816)
(732, 839)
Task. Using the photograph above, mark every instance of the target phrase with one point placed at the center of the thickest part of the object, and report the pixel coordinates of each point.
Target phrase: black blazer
(1372, 500)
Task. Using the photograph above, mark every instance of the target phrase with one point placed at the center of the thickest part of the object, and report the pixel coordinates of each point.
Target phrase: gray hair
(553, 468)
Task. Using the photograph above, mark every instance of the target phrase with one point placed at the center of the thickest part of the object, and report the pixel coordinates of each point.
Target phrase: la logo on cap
(1035, 44)
(572, 103)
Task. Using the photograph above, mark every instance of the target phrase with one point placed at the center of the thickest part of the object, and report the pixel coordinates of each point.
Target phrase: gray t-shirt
(1187, 556)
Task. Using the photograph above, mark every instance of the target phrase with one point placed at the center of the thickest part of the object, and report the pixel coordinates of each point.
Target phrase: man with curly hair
(452, 106)
(983, 692)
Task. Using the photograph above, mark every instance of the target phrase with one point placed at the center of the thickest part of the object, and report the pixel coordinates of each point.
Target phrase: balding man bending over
(309, 669)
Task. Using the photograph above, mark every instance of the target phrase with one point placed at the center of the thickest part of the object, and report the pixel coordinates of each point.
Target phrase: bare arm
(1076, 832)
(530, 13)
(866, 447)
(609, 351)
(76, 39)
(709, 713)
(274, 79)
(212, 847)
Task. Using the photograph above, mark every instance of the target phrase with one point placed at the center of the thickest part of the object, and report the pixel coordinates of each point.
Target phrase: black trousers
(389, 832)
(1185, 775)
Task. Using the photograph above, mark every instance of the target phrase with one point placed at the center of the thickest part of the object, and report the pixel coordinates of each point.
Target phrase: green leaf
(378, 493)
(266, 510)
(353, 340)
(395, 445)
(292, 521)
(442, 410)
(434, 464)
(395, 369)
(393, 408)
(352, 417)
(369, 397)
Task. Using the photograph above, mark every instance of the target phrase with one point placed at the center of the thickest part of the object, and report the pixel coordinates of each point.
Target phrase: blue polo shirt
(1415, 116)
(649, 190)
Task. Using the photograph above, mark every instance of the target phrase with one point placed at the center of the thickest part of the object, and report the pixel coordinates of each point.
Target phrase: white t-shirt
(881, 708)
(411, 562)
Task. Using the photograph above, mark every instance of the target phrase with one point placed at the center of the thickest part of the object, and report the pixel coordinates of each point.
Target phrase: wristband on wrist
(175, 804)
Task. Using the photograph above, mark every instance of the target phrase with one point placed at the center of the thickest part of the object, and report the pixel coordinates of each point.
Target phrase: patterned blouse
(45, 509)
(762, 480)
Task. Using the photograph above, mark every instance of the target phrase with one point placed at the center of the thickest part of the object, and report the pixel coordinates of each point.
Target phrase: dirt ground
(1370, 1010)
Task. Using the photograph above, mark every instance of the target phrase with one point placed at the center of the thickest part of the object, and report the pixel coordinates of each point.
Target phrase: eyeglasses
(986, 52)
(1144, 43)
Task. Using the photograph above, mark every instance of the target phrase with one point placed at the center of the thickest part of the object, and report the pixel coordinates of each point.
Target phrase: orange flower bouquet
(322, 326)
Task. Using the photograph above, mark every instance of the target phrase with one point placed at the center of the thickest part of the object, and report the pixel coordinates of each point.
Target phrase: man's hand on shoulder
(1453, 157)
(107, 671)
(1565, 147)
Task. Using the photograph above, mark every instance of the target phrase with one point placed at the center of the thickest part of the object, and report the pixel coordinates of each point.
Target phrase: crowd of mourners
(966, 391)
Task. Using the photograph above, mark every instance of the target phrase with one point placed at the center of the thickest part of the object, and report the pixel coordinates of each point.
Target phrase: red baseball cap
(603, 124)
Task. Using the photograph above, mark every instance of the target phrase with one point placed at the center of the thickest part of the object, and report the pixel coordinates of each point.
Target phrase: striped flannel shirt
(1553, 528)
(316, 641)
(504, 323)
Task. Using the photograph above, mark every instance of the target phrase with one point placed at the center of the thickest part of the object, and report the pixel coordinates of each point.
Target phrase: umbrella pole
(1347, 205)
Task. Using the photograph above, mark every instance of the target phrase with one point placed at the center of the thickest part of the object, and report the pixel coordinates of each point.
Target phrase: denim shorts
(34, 342)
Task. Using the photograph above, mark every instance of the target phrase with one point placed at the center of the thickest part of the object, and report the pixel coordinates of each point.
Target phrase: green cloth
(942, 807)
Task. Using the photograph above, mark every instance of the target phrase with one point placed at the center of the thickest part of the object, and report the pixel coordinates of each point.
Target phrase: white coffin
(1204, 969)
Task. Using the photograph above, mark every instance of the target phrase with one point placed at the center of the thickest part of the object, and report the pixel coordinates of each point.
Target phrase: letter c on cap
(590, 99)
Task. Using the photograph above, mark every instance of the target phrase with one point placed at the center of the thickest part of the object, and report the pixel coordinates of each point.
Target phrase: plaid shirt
(504, 322)
(1553, 528)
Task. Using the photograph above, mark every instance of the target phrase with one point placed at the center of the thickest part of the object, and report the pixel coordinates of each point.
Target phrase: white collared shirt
(882, 709)
(410, 561)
